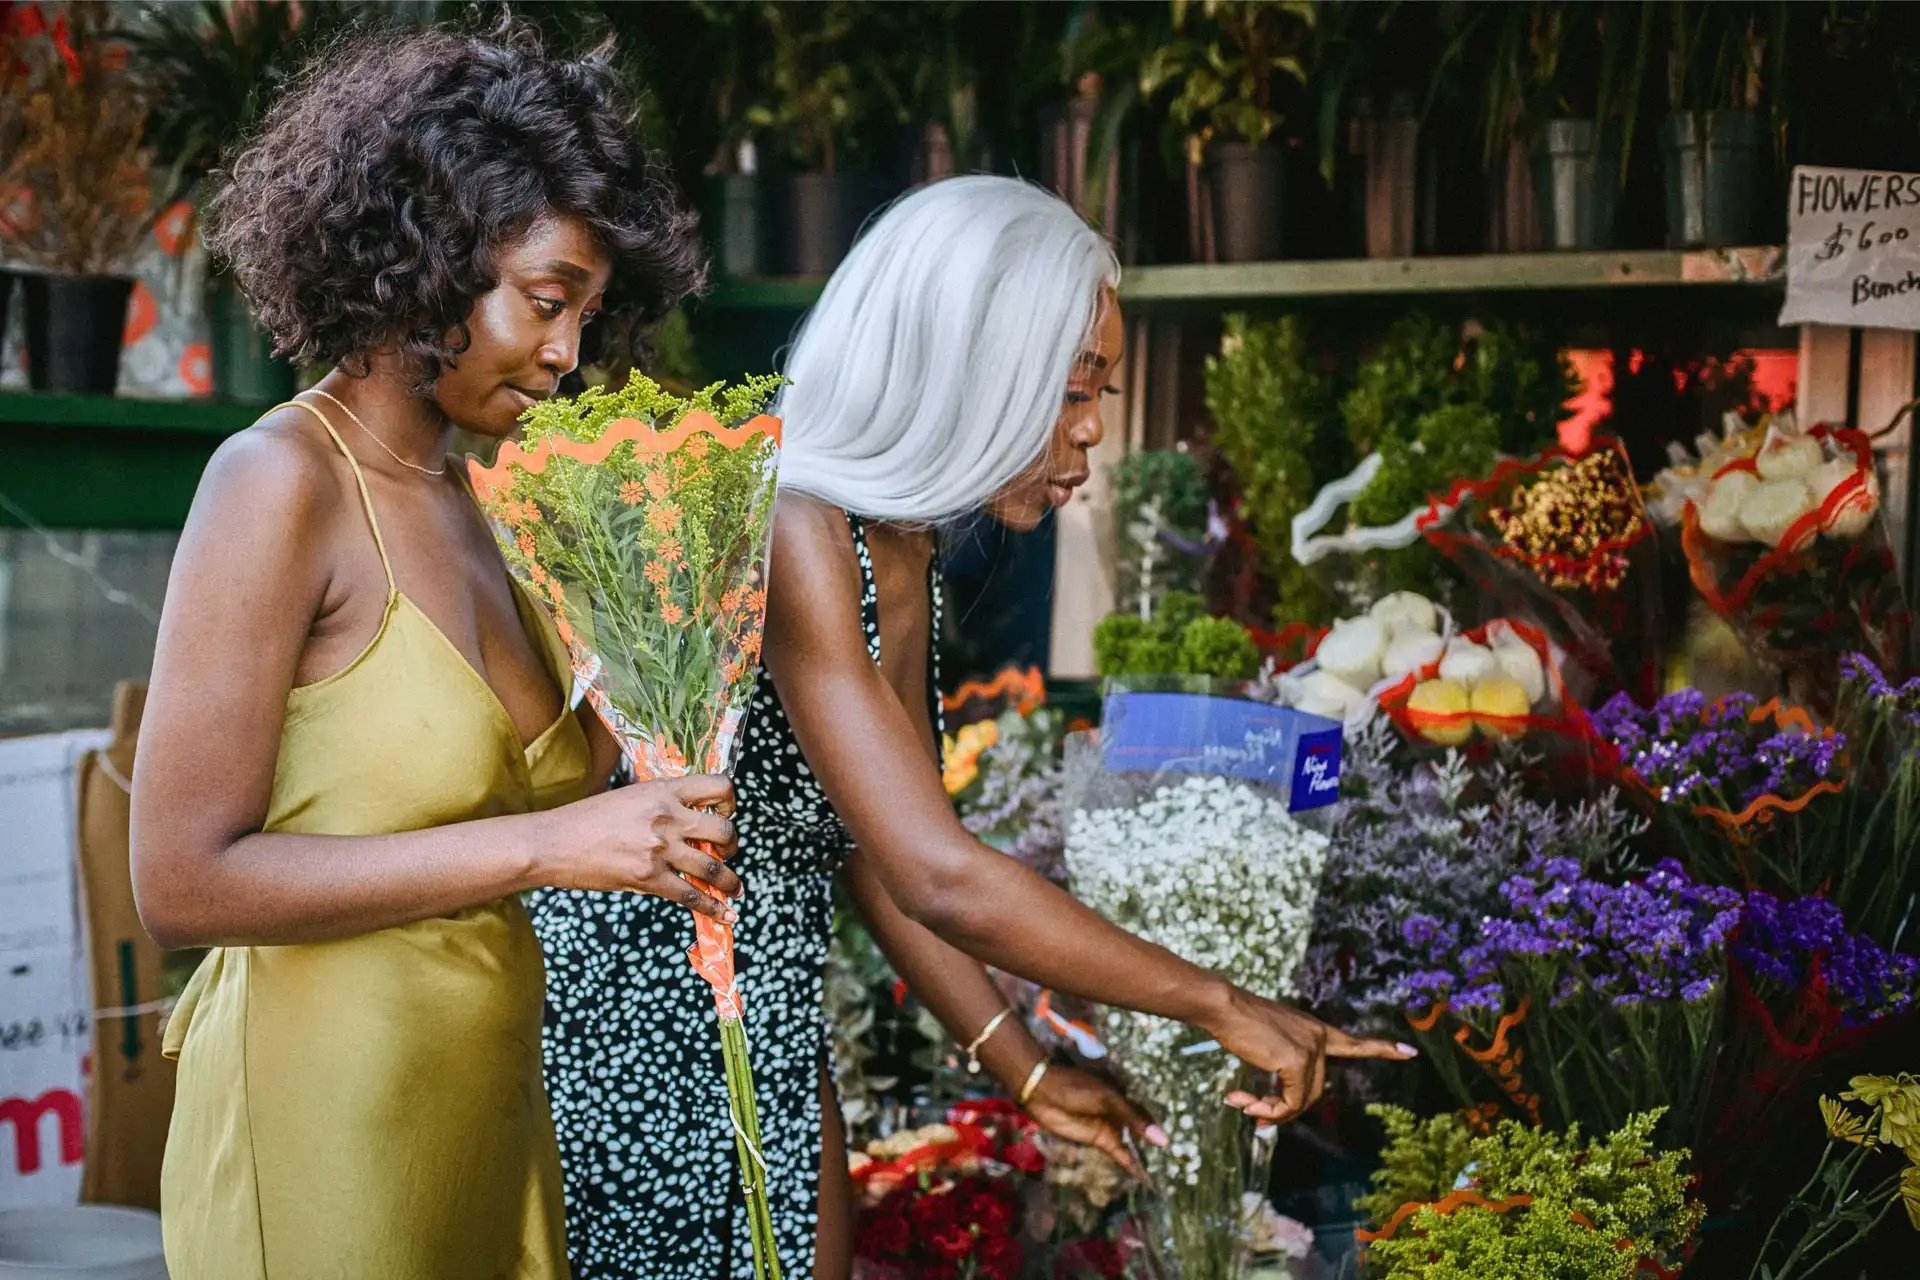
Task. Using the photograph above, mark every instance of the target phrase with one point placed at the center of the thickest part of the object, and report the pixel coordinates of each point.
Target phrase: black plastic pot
(737, 225)
(1388, 150)
(1715, 163)
(1249, 201)
(244, 366)
(1576, 179)
(821, 215)
(74, 328)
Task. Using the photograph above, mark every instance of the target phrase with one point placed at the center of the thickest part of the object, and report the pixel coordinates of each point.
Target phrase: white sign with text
(1853, 248)
(45, 1007)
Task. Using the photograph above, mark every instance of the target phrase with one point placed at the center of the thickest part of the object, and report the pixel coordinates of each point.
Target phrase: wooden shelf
(1484, 273)
(1196, 283)
(109, 462)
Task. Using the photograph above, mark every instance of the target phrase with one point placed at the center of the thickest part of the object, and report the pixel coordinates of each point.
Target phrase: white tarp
(45, 1010)
(1853, 248)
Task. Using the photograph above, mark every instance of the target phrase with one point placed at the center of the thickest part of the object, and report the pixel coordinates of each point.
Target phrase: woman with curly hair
(358, 749)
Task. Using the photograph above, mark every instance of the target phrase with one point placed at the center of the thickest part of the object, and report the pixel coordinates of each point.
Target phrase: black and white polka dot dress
(632, 1047)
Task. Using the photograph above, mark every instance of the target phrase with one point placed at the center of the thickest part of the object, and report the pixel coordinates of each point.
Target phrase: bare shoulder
(280, 472)
(815, 590)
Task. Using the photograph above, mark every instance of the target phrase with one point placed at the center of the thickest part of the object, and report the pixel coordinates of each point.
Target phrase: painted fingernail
(1156, 1135)
(1407, 1050)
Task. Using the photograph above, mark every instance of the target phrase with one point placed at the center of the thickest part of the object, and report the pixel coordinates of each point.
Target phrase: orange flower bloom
(565, 629)
(750, 645)
(553, 589)
(673, 758)
(657, 483)
(671, 551)
(672, 614)
(757, 603)
(732, 672)
(656, 573)
(696, 446)
(538, 575)
(664, 517)
(525, 543)
(630, 493)
(529, 512)
(730, 601)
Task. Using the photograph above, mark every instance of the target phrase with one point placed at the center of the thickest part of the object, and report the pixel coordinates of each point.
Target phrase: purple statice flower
(1420, 852)
(1898, 700)
(1780, 943)
(1685, 748)
(1661, 937)
(1019, 802)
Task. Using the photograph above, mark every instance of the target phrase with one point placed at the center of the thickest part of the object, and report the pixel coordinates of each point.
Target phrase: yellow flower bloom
(1910, 1193)
(1844, 1124)
(1898, 1100)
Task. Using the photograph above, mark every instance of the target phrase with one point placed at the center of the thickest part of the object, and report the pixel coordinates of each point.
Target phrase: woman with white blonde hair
(954, 363)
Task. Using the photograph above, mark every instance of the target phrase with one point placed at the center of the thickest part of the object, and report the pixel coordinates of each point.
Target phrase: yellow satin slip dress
(372, 1108)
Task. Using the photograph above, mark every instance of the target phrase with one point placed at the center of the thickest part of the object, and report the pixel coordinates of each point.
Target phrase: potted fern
(1228, 74)
(79, 196)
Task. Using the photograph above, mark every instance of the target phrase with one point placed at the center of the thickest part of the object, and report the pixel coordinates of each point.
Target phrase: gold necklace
(436, 472)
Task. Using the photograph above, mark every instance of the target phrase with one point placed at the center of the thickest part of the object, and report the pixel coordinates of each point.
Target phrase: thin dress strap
(870, 617)
(366, 498)
(869, 590)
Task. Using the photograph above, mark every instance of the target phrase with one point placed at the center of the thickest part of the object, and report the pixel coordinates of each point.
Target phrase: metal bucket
(1714, 163)
(86, 1242)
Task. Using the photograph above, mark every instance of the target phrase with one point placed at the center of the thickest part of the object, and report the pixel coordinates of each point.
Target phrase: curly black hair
(368, 209)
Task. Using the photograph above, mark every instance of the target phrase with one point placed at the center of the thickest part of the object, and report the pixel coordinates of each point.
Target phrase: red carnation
(1024, 1156)
(884, 1235)
(953, 1243)
(998, 1258)
(990, 1214)
(934, 1213)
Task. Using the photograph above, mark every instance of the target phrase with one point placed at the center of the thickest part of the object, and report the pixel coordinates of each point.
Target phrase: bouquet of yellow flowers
(644, 520)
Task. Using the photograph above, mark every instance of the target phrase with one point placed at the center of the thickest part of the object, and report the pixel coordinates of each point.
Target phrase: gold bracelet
(1032, 1085)
(986, 1033)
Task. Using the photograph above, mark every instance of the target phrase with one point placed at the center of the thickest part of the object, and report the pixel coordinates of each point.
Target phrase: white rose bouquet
(1787, 541)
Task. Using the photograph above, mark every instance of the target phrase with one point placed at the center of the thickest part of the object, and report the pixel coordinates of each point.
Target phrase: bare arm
(961, 994)
(245, 588)
(860, 741)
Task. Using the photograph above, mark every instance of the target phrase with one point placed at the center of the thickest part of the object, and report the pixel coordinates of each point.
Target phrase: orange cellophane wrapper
(1601, 607)
(1830, 584)
(1557, 720)
(1018, 689)
(649, 545)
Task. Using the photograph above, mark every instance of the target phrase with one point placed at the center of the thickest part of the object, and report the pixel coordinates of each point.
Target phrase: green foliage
(1439, 409)
(1226, 67)
(1276, 422)
(1585, 1200)
(813, 95)
(1158, 493)
(587, 415)
(1179, 640)
(1420, 1160)
(213, 68)
(1218, 647)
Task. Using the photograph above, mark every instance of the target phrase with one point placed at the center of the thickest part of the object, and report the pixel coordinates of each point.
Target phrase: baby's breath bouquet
(643, 521)
(1218, 871)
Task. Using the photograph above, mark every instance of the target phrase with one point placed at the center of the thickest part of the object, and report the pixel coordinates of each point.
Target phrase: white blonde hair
(931, 372)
